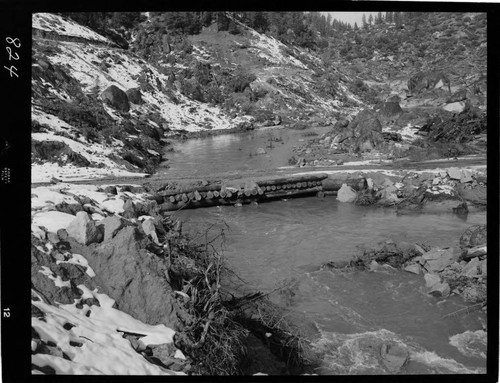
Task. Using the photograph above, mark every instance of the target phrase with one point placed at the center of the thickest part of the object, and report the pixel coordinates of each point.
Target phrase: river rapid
(284, 243)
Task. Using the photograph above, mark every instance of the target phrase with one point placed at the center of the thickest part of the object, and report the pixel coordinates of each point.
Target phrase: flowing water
(284, 243)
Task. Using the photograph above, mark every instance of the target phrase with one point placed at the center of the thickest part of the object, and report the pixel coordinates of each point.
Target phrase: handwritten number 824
(17, 44)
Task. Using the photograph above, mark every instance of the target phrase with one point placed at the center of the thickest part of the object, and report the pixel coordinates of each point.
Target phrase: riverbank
(107, 254)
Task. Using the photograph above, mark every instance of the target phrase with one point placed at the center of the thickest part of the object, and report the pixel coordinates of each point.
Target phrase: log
(303, 184)
(222, 193)
(292, 192)
(203, 195)
(172, 198)
(273, 187)
(210, 195)
(253, 192)
(260, 191)
(190, 196)
(248, 193)
(197, 195)
(321, 194)
(278, 187)
(190, 188)
(184, 197)
(229, 194)
(178, 197)
(292, 179)
(310, 184)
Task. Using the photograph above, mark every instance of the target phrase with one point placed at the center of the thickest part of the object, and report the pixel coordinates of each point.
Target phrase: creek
(283, 244)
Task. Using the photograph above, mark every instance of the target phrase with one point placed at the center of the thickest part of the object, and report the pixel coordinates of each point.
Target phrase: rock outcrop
(134, 277)
(117, 98)
(84, 229)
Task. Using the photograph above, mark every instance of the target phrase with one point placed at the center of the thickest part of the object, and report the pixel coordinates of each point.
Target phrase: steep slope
(211, 81)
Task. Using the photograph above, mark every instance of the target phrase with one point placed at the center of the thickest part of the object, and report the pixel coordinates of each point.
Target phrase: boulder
(69, 208)
(84, 229)
(116, 97)
(365, 131)
(472, 269)
(431, 280)
(439, 259)
(473, 236)
(111, 190)
(476, 195)
(346, 194)
(475, 293)
(112, 225)
(134, 95)
(413, 268)
(129, 210)
(466, 176)
(260, 151)
(166, 354)
(133, 277)
(439, 290)
(38, 232)
(394, 357)
(390, 109)
(454, 173)
(455, 107)
(62, 234)
(149, 229)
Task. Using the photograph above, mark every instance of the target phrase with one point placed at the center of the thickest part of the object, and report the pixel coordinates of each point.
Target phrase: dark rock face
(117, 98)
(473, 236)
(44, 285)
(111, 190)
(365, 131)
(129, 210)
(69, 208)
(132, 276)
(390, 110)
(134, 95)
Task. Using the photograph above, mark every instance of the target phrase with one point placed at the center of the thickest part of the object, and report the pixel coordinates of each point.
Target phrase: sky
(350, 17)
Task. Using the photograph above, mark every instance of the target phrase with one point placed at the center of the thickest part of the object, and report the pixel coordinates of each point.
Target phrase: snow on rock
(83, 62)
(68, 172)
(78, 259)
(103, 350)
(65, 27)
(272, 50)
(51, 122)
(455, 107)
(52, 220)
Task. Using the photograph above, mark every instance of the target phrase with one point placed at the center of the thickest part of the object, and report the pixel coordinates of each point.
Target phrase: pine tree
(388, 17)
(379, 19)
(363, 20)
(260, 22)
(370, 19)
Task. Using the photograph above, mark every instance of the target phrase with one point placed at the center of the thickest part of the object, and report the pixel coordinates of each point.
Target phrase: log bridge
(254, 190)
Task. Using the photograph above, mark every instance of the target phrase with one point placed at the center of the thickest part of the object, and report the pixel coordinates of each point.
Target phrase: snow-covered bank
(88, 335)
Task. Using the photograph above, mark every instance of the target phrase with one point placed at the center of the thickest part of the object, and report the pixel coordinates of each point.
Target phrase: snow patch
(65, 27)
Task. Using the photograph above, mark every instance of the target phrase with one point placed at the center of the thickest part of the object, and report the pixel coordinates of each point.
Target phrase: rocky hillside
(128, 87)
(125, 102)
